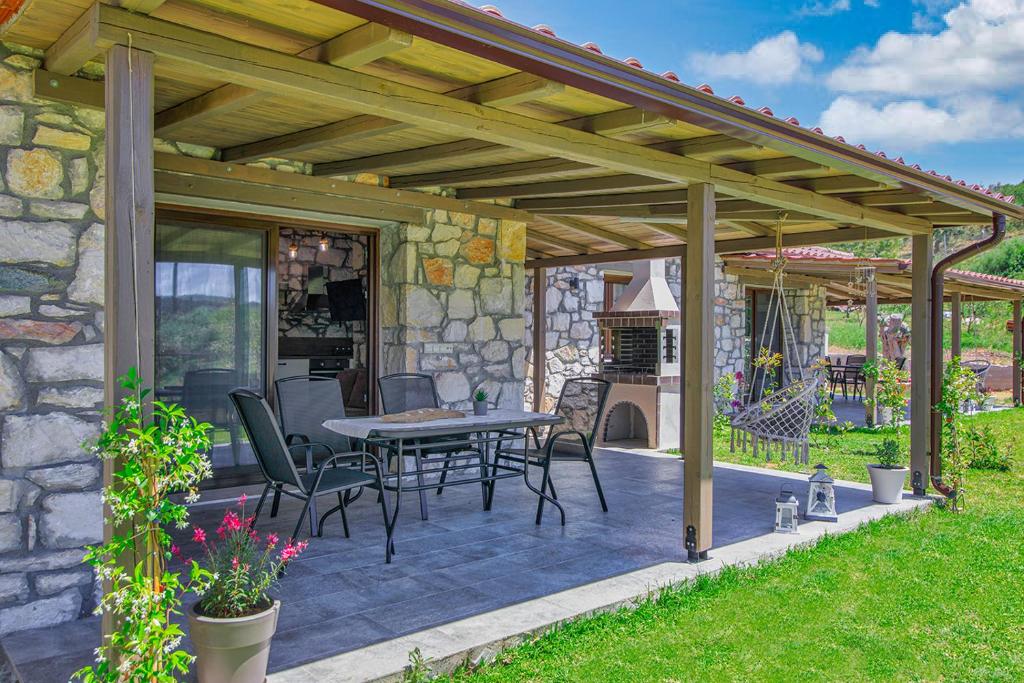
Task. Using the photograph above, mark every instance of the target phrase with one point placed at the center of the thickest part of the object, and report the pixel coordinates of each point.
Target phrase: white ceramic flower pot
(233, 650)
(887, 483)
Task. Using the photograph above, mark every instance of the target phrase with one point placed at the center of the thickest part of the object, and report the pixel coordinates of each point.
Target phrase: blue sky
(943, 69)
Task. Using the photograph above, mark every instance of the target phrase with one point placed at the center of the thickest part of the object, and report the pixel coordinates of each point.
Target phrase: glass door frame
(271, 227)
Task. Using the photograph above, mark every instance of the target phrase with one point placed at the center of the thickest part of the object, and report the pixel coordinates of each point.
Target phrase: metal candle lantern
(821, 496)
(787, 511)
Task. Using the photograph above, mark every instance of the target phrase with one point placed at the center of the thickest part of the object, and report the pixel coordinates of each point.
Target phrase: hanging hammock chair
(778, 416)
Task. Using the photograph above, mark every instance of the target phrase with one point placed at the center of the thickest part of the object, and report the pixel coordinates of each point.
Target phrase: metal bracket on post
(692, 554)
(917, 481)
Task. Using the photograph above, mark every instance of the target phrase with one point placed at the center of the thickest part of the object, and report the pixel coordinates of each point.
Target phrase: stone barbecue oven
(642, 362)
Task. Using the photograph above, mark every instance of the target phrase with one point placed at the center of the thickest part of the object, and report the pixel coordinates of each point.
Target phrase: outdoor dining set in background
(310, 448)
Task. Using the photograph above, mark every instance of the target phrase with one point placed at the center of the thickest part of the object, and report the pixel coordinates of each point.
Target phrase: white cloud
(910, 124)
(979, 49)
(821, 8)
(779, 59)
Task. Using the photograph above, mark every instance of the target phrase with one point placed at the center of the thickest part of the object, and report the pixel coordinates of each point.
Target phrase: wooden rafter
(287, 75)
(561, 243)
(361, 45)
(593, 231)
(669, 229)
(76, 46)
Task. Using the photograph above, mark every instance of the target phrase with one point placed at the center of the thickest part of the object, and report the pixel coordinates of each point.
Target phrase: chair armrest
(292, 438)
(554, 438)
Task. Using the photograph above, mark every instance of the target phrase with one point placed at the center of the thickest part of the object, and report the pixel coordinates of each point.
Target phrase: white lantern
(821, 496)
(787, 511)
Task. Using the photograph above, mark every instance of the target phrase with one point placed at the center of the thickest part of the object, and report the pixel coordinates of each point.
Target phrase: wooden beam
(140, 6)
(955, 324)
(403, 158)
(505, 91)
(76, 46)
(357, 47)
(696, 147)
(80, 92)
(218, 102)
(550, 188)
(871, 318)
(363, 45)
(920, 364)
(698, 380)
(796, 239)
(779, 168)
(292, 76)
(888, 198)
(598, 200)
(508, 90)
(187, 167)
(559, 242)
(540, 281)
(129, 281)
(594, 231)
(839, 184)
(669, 229)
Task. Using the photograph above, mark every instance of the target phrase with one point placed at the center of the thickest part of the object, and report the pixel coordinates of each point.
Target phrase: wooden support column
(697, 401)
(1018, 336)
(540, 277)
(920, 363)
(871, 316)
(955, 325)
(129, 295)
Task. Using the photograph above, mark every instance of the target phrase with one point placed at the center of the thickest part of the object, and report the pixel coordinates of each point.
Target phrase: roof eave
(469, 29)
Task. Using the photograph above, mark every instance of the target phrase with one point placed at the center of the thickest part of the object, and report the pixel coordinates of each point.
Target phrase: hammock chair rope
(779, 416)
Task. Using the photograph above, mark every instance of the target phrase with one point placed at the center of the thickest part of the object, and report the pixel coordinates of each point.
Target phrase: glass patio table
(472, 432)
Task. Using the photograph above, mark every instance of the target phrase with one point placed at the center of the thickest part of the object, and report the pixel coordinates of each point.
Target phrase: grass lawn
(936, 596)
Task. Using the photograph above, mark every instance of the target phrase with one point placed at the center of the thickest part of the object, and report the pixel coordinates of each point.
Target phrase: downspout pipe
(938, 279)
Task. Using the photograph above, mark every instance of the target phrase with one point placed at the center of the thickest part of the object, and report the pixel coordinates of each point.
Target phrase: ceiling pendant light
(293, 250)
(324, 243)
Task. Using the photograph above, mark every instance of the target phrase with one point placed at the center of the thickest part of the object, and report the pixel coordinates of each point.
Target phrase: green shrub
(888, 454)
(982, 451)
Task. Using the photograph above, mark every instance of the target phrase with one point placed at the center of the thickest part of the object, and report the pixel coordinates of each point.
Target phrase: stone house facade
(573, 341)
(451, 297)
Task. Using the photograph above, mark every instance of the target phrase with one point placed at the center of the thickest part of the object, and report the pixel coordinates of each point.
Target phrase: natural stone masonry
(572, 339)
(51, 352)
(452, 304)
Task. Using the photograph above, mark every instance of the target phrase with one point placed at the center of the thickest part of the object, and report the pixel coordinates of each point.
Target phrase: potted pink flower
(232, 624)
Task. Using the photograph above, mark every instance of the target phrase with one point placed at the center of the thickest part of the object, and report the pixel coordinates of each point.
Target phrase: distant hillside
(1006, 259)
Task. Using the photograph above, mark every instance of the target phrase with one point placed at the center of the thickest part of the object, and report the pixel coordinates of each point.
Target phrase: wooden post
(1018, 336)
(697, 399)
(955, 325)
(871, 315)
(129, 296)
(920, 363)
(540, 279)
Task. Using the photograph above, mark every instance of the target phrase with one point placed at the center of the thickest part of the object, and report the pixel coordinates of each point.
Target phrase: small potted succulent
(887, 475)
(480, 402)
(232, 624)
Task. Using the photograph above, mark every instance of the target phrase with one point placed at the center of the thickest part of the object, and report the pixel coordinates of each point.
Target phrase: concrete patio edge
(481, 637)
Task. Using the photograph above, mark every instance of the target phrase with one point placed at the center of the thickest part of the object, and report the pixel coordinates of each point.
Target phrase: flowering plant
(890, 388)
(156, 450)
(244, 566)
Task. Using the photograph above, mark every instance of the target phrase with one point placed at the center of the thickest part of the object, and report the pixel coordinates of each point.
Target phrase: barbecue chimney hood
(648, 292)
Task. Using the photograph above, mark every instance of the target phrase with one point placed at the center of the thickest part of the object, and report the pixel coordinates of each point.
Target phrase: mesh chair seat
(335, 478)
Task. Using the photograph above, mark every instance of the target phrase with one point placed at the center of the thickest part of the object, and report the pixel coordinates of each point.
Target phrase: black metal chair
(303, 404)
(404, 391)
(582, 403)
(355, 470)
(204, 395)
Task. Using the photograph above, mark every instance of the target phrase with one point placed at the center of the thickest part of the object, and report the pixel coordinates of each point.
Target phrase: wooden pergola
(848, 279)
(605, 161)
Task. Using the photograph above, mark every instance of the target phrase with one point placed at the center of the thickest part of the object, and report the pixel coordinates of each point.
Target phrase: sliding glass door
(211, 328)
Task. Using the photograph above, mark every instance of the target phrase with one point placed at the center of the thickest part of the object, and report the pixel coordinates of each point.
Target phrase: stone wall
(808, 308)
(730, 322)
(51, 351)
(452, 300)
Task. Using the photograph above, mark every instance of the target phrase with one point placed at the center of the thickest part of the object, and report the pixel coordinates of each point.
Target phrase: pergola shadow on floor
(341, 596)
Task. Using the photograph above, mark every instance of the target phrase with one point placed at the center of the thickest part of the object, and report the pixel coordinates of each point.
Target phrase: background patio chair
(412, 391)
(303, 403)
(274, 457)
(582, 403)
(204, 395)
(851, 375)
(980, 369)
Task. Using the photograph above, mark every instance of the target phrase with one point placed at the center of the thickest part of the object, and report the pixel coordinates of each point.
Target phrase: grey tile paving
(341, 596)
